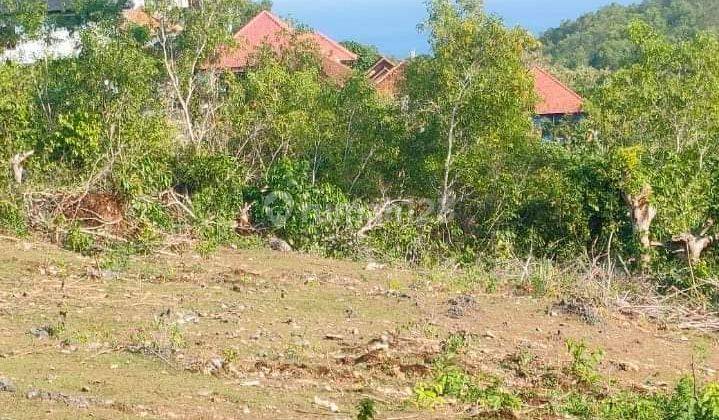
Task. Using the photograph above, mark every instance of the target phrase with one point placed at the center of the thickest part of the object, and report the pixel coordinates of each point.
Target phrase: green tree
(188, 40)
(658, 121)
(367, 54)
(472, 99)
(599, 39)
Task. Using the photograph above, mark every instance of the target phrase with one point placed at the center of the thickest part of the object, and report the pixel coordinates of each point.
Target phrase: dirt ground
(258, 334)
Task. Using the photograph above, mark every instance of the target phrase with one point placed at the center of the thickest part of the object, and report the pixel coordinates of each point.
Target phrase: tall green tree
(658, 119)
(472, 99)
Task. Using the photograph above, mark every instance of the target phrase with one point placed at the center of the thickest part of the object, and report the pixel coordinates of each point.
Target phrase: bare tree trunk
(16, 163)
(184, 96)
(377, 220)
(444, 209)
(642, 214)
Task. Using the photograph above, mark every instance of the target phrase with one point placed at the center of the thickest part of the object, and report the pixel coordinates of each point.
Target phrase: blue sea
(392, 24)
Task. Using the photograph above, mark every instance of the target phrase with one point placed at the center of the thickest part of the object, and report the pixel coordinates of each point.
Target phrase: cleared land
(258, 334)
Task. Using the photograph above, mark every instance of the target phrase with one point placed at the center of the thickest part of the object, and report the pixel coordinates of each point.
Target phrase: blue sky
(392, 24)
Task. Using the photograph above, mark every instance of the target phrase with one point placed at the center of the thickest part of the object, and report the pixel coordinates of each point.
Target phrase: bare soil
(259, 334)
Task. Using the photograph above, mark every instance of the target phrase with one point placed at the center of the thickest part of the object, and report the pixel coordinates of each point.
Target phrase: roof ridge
(275, 18)
(559, 82)
(335, 43)
(263, 14)
(379, 60)
(389, 72)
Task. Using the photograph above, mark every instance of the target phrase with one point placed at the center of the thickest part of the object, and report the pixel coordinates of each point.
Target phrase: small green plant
(454, 344)
(584, 362)
(451, 381)
(366, 409)
(230, 355)
(78, 241)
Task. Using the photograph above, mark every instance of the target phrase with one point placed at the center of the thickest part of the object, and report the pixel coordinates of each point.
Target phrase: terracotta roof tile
(555, 98)
(268, 30)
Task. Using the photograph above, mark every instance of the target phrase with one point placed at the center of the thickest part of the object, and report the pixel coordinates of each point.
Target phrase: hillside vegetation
(141, 146)
(599, 39)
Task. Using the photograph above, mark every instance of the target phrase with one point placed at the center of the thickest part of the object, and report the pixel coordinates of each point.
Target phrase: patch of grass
(453, 382)
(454, 344)
(685, 402)
(450, 381)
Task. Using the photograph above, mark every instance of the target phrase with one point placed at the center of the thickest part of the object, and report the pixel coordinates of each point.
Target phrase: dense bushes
(450, 171)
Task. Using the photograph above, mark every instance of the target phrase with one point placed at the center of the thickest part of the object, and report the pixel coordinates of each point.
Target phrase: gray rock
(585, 310)
(217, 363)
(6, 385)
(459, 306)
(41, 333)
(278, 244)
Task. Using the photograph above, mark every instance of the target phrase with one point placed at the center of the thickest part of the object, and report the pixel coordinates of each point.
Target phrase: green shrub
(12, 219)
(215, 182)
(78, 241)
(682, 404)
(310, 217)
(584, 362)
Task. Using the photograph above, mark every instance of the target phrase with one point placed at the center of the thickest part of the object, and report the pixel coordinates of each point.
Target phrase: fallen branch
(693, 245)
(379, 212)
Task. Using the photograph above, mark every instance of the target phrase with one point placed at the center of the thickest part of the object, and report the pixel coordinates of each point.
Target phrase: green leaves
(20, 19)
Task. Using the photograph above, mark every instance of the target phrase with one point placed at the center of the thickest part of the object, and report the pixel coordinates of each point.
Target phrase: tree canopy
(600, 39)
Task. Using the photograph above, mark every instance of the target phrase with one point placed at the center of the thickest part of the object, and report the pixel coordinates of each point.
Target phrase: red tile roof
(141, 18)
(268, 30)
(385, 75)
(555, 98)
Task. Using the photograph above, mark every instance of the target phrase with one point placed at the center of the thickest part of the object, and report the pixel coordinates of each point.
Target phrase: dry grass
(257, 334)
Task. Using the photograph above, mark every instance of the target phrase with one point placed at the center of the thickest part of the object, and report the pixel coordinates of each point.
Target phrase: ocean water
(392, 24)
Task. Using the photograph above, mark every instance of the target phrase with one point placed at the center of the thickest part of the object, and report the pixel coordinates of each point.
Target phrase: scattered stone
(85, 389)
(278, 244)
(250, 383)
(585, 310)
(98, 274)
(188, 318)
(217, 363)
(328, 405)
(6, 385)
(459, 306)
(374, 266)
(70, 400)
(628, 366)
(397, 294)
(490, 334)
(381, 343)
(42, 333)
